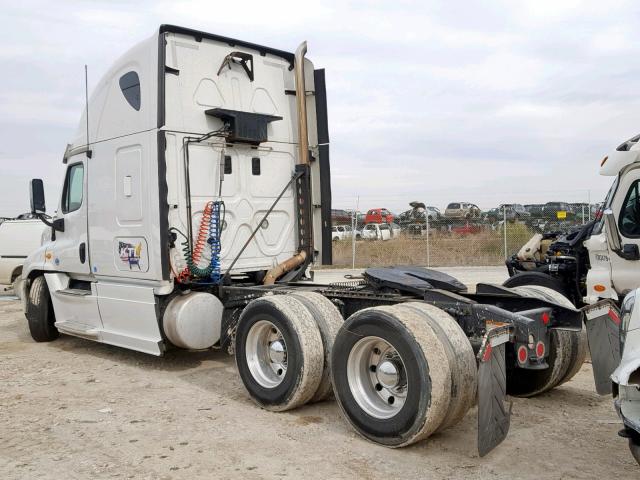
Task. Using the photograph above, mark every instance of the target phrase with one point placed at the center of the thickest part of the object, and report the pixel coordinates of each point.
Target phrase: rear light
(614, 317)
(487, 353)
(522, 354)
(545, 318)
(540, 349)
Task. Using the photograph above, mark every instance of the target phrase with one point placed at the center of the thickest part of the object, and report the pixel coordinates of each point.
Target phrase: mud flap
(603, 323)
(494, 415)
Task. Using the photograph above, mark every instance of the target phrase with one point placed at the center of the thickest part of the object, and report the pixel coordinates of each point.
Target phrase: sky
(439, 101)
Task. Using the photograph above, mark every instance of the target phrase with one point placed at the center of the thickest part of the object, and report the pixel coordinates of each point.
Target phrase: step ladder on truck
(197, 198)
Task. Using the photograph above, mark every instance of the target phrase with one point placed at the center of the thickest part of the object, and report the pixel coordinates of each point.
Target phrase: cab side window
(629, 221)
(130, 86)
(72, 192)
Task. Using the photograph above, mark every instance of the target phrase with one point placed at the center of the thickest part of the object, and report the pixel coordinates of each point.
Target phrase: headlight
(627, 308)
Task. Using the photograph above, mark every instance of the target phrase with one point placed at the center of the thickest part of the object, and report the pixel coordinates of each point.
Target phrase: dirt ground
(75, 409)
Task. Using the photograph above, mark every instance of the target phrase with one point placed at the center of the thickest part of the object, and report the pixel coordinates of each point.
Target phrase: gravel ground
(75, 409)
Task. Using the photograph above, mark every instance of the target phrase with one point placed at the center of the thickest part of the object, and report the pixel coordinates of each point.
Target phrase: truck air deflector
(232, 42)
(322, 123)
(244, 127)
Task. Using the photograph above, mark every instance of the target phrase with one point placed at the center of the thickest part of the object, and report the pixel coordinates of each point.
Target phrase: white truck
(341, 232)
(598, 269)
(196, 197)
(626, 377)
(18, 238)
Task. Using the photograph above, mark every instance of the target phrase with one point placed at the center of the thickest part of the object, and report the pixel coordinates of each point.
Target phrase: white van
(18, 238)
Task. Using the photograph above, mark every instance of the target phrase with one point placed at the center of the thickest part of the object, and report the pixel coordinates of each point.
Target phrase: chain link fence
(467, 237)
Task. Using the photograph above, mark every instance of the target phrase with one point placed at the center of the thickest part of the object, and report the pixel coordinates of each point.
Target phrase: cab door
(625, 268)
(70, 250)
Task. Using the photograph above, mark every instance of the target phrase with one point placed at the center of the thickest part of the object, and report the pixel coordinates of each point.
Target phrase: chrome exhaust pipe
(303, 159)
(301, 102)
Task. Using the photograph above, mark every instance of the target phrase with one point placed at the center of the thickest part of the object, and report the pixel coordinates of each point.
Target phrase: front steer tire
(39, 312)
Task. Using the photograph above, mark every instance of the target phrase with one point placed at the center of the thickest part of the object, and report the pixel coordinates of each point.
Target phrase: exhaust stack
(301, 102)
(303, 159)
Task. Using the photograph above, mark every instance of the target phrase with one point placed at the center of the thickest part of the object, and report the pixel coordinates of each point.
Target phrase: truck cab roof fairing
(232, 42)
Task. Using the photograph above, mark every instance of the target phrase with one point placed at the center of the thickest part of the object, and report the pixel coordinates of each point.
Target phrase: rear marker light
(614, 317)
(522, 354)
(540, 350)
(545, 318)
(487, 353)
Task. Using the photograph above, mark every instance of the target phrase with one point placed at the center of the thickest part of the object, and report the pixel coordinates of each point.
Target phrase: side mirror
(36, 189)
(38, 208)
(611, 230)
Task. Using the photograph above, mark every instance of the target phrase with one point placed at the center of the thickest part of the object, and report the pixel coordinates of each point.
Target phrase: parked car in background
(18, 238)
(378, 215)
(466, 229)
(417, 215)
(434, 213)
(395, 229)
(340, 217)
(535, 209)
(376, 231)
(558, 211)
(582, 211)
(462, 210)
(514, 211)
(492, 215)
(510, 211)
(341, 232)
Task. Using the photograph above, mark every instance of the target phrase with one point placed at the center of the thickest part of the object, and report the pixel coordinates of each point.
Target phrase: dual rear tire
(402, 372)
(283, 345)
(567, 351)
(399, 373)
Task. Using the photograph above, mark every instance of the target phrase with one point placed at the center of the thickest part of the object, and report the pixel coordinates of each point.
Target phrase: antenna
(86, 99)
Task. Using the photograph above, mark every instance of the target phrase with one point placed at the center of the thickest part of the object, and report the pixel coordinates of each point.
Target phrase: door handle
(83, 252)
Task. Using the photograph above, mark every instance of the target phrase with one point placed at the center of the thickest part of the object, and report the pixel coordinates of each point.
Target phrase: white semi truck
(598, 268)
(196, 198)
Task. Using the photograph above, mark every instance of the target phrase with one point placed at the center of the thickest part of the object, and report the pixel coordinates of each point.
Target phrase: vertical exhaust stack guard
(303, 160)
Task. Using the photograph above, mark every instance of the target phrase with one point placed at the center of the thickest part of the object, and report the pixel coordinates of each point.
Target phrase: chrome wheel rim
(377, 377)
(266, 354)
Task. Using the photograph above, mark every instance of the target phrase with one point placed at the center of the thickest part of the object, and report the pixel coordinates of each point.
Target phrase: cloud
(488, 102)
